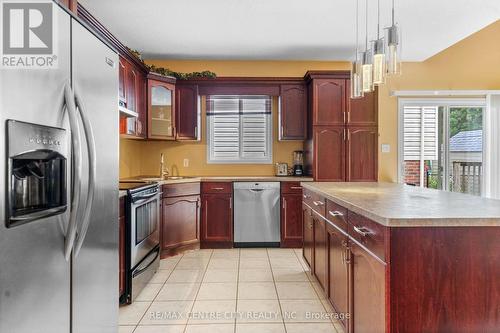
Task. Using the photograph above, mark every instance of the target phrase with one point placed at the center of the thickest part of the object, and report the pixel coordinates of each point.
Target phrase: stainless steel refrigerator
(59, 189)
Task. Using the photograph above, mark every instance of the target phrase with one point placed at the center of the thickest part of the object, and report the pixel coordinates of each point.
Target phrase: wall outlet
(186, 162)
(386, 148)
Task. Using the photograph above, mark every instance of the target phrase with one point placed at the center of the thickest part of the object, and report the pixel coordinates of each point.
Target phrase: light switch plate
(186, 162)
(386, 148)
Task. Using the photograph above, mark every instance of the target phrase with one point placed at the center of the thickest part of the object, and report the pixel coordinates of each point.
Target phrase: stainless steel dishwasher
(256, 214)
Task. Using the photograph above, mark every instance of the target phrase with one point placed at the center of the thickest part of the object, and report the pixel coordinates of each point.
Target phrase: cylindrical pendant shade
(379, 62)
(367, 71)
(393, 50)
(356, 80)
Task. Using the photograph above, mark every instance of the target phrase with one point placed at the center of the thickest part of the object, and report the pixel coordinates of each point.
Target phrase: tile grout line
(198, 291)
(142, 317)
(237, 289)
(276, 289)
(317, 294)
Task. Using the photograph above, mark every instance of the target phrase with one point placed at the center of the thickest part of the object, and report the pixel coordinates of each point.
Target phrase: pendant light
(393, 47)
(367, 66)
(356, 72)
(379, 60)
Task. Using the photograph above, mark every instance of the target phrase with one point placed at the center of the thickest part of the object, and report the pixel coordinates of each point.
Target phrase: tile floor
(231, 291)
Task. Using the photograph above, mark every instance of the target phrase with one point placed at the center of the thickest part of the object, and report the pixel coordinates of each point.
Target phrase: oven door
(145, 227)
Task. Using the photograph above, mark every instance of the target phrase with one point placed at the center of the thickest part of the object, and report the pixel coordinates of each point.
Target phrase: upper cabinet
(161, 111)
(187, 106)
(363, 111)
(343, 134)
(131, 90)
(293, 112)
(329, 102)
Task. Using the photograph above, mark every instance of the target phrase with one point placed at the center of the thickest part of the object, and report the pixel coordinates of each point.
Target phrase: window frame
(447, 103)
(269, 134)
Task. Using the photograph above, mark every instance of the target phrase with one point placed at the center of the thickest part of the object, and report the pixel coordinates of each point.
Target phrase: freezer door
(34, 275)
(95, 266)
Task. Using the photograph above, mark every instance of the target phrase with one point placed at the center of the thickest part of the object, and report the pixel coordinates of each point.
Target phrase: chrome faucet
(163, 170)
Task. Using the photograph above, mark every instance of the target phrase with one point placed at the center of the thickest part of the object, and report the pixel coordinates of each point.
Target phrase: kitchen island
(396, 258)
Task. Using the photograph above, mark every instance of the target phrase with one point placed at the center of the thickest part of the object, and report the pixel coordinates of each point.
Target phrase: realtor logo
(28, 35)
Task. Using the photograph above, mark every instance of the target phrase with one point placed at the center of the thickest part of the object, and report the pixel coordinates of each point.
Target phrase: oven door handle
(143, 197)
(140, 269)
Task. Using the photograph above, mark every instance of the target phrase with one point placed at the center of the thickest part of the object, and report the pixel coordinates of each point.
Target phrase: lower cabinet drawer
(368, 233)
(216, 187)
(315, 201)
(181, 189)
(291, 188)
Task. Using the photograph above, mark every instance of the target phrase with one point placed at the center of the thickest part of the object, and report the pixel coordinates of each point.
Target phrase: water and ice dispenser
(36, 172)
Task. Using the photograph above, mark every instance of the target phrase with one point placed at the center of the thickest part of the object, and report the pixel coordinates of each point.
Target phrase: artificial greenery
(177, 75)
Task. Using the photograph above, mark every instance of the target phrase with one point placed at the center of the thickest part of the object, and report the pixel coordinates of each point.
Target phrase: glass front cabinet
(161, 108)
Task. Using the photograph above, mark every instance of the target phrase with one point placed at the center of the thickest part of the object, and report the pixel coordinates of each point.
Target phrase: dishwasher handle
(256, 189)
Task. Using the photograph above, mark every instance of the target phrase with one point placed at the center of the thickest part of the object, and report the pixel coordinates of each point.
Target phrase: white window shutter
(413, 132)
(239, 129)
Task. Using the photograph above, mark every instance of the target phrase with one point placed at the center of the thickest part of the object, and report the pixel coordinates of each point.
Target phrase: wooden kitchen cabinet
(339, 273)
(363, 111)
(187, 106)
(161, 107)
(217, 215)
(329, 102)
(291, 220)
(308, 241)
(132, 90)
(180, 223)
(343, 144)
(320, 252)
(329, 153)
(361, 152)
(180, 216)
(368, 292)
(293, 112)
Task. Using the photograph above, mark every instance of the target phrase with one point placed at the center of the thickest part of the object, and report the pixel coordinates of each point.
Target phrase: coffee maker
(298, 163)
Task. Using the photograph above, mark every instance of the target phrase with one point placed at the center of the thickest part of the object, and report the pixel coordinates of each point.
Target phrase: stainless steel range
(142, 235)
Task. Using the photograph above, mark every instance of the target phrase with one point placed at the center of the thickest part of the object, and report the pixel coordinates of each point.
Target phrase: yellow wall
(143, 157)
(471, 64)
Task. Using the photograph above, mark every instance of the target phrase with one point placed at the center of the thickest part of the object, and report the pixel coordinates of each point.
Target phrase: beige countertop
(122, 193)
(398, 205)
(227, 179)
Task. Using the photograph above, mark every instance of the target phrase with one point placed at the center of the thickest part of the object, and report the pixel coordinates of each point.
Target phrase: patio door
(441, 144)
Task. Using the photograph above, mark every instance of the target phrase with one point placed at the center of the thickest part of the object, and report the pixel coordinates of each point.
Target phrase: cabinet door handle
(217, 188)
(362, 231)
(335, 213)
(230, 203)
(318, 203)
(296, 188)
(347, 256)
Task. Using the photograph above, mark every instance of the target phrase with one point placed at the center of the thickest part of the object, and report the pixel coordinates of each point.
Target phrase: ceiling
(284, 29)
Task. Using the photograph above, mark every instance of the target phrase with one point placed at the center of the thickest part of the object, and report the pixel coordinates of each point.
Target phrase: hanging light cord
(392, 12)
(357, 29)
(378, 19)
(366, 25)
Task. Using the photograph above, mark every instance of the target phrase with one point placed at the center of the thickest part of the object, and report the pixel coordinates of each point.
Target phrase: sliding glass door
(441, 144)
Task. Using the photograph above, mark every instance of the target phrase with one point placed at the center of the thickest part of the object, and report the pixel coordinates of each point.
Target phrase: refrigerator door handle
(69, 104)
(90, 139)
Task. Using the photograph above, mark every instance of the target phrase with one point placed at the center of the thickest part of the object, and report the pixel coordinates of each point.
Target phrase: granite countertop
(397, 205)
